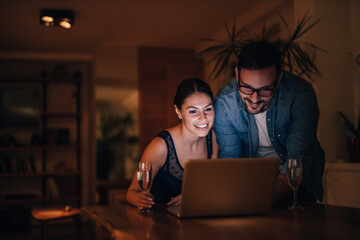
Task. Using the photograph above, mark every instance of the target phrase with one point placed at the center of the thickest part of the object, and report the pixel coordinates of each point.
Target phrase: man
(267, 112)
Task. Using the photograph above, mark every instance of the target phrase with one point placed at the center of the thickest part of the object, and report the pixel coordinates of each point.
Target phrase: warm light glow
(49, 24)
(47, 19)
(65, 23)
(57, 18)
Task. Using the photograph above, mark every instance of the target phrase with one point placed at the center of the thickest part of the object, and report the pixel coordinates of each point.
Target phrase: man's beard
(251, 110)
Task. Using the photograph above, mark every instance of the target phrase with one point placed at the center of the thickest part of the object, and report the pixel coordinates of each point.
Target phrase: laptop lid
(225, 187)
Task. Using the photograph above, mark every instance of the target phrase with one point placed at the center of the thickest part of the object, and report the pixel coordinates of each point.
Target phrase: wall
(337, 88)
(116, 65)
(355, 30)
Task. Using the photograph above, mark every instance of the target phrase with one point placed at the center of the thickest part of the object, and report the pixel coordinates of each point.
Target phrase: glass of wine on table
(144, 178)
(294, 175)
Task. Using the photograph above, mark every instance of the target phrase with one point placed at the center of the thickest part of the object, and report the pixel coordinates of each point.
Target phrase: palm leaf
(314, 46)
(299, 61)
(304, 61)
(286, 25)
(216, 56)
(209, 40)
(216, 66)
(350, 126)
(309, 27)
(294, 58)
(299, 27)
(223, 65)
(211, 49)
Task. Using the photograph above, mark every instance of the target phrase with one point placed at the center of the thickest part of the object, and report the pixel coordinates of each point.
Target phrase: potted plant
(294, 58)
(357, 59)
(353, 142)
(114, 141)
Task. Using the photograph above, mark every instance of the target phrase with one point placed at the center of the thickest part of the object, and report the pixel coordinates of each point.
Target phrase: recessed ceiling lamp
(57, 18)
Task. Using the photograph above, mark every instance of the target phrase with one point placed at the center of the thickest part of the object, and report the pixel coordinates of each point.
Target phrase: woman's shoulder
(156, 150)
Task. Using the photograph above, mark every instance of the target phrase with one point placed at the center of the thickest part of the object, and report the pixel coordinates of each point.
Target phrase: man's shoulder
(228, 89)
(295, 83)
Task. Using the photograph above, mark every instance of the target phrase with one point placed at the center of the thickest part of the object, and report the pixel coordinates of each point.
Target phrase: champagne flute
(144, 178)
(294, 175)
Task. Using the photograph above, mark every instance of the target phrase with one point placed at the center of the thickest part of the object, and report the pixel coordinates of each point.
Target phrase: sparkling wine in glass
(144, 178)
(294, 175)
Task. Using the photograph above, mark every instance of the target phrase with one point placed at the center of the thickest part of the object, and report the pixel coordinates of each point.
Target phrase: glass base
(145, 210)
(295, 206)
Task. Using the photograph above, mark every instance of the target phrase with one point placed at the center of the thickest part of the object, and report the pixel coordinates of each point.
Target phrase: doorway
(117, 137)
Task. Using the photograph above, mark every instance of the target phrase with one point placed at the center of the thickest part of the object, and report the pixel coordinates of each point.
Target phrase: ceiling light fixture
(57, 18)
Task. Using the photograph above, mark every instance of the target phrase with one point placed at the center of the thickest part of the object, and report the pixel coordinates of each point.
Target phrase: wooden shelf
(61, 148)
(38, 200)
(40, 174)
(61, 114)
(60, 80)
(25, 148)
(51, 117)
(40, 148)
(56, 80)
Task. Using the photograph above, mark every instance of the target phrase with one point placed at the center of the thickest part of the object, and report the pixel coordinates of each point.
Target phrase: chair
(46, 214)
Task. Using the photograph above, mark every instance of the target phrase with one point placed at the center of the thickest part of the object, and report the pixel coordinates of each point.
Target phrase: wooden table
(315, 221)
(46, 214)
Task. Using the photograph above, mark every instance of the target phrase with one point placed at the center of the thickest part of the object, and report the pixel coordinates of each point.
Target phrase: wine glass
(294, 175)
(144, 178)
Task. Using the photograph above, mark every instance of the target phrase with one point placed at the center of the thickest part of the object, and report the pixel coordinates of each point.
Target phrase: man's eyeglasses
(262, 92)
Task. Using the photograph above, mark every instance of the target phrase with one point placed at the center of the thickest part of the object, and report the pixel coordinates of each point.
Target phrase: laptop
(227, 187)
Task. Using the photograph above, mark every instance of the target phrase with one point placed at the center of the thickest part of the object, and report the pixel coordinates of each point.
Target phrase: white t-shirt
(265, 148)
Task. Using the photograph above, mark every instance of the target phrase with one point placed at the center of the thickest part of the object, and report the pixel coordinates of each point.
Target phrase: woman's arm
(155, 153)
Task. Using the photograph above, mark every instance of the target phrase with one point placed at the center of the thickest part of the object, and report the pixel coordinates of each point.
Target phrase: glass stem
(295, 197)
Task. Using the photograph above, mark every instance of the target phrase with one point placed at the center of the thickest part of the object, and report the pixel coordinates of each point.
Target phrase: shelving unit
(45, 149)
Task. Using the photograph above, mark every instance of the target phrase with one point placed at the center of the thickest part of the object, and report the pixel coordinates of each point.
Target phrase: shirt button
(281, 154)
(278, 135)
(272, 139)
(268, 119)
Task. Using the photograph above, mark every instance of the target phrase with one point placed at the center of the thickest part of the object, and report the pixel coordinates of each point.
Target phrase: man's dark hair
(189, 86)
(259, 55)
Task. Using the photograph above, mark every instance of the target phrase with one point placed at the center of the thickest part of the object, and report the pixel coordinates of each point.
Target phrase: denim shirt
(291, 119)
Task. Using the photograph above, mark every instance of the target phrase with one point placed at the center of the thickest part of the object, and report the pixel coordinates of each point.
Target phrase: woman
(192, 138)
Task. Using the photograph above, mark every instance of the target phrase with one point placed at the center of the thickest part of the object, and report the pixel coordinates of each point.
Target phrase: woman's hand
(175, 201)
(143, 200)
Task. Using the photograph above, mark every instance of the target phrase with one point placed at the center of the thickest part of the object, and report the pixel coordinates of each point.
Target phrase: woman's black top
(168, 180)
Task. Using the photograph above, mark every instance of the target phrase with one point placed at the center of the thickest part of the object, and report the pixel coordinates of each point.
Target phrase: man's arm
(302, 135)
(226, 135)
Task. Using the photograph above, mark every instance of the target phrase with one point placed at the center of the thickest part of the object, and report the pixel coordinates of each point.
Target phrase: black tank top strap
(165, 135)
(172, 164)
(209, 144)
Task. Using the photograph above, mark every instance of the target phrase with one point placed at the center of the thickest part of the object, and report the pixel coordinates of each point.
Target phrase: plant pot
(353, 147)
